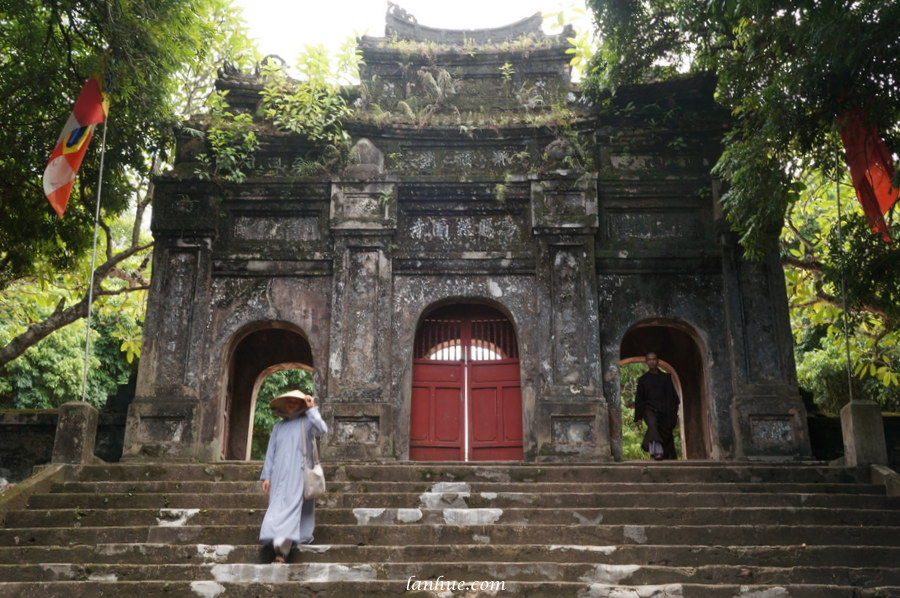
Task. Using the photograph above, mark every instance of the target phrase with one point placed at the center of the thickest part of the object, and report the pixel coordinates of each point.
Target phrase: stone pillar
(767, 413)
(863, 429)
(76, 433)
(164, 419)
(571, 418)
(363, 220)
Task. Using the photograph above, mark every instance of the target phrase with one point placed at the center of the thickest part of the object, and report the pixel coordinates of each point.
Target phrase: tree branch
(808, 265)
(63, 316)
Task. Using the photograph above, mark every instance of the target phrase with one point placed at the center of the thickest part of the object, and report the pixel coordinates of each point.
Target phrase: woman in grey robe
(289, 518)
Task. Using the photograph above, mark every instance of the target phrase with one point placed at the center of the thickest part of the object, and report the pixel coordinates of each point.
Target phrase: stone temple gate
(467, 283)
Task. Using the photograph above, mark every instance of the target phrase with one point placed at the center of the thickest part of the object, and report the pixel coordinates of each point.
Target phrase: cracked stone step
(342, 487)
(462, 515)
(671, 555)
(353, 589)
(535, 571)
(255, 499)
(683, 472)
(702, 535)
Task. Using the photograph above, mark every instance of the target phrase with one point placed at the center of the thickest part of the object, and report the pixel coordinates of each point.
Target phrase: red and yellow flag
(871, 169)
(90, 109)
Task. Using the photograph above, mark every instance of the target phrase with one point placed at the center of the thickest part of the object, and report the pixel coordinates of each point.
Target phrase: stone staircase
(631, 530)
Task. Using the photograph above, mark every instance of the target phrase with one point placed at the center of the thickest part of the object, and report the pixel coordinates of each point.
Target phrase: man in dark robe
(656, 403)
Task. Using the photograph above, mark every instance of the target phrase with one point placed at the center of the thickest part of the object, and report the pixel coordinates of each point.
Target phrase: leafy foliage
(814, 256)
(314, 106)
(263, 418)
(50, 373)
(158, 58)
(785, 70)
(48, 48)
(232, 143)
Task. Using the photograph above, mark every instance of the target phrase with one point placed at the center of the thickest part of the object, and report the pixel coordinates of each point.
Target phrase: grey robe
(288, 515)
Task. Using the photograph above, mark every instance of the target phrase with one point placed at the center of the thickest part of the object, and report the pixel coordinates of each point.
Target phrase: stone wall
(26, 440)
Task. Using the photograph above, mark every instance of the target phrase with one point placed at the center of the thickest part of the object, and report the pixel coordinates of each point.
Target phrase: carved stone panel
(762, 351)
(573, 430)
(628, 225)
(355, 430)
(370, 205)
(568, 317)
(360, 337)
(485, 231)
(276, 228)
(566, 204)
(771, 431)
(179, 291)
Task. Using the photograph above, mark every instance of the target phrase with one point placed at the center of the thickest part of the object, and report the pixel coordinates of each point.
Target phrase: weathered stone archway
(679, 346)
(579, 238)
(259, 350)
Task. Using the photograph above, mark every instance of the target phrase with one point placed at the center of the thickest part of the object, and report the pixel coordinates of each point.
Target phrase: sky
(283, 27)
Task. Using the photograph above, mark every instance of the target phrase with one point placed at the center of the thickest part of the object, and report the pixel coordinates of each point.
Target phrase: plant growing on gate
(231, 143)
(314, 106)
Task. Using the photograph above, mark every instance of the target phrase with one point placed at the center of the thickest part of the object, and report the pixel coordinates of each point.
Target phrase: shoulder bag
(313, 476)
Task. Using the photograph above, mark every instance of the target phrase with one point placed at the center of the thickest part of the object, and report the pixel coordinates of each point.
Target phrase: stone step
(506, 472)
(671, 555)
(353, 589)
(636, 530)
(339, 487)
(255, 499)
(630, 574)
(701, 535)
(252, 517)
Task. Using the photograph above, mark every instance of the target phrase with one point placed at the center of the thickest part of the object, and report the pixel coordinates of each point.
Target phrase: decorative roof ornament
(401, 25)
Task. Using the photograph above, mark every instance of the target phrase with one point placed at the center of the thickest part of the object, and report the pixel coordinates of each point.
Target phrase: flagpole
(87, 334)
(837, 194)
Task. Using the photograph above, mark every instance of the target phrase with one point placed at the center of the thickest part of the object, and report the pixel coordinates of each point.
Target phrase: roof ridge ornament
(400, 13)
(400, 24)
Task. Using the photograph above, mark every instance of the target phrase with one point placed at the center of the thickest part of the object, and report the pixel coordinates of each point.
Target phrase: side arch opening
(263, 349)
(680, 352)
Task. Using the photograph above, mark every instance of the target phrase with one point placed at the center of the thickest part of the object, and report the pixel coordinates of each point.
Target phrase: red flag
(59, 176)
(871, 168)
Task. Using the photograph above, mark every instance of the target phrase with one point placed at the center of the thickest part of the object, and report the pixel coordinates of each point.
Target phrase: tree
(824, 271)
(158, 58)
(787, 71)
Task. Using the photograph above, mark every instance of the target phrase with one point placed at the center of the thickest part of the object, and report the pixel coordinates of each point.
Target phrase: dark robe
(656, 403)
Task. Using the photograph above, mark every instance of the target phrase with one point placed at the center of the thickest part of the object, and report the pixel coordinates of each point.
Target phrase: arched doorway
(261, 350)
(679, 350)
(466, 387)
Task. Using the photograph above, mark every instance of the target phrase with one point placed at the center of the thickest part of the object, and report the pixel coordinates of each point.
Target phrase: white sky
(283, 27)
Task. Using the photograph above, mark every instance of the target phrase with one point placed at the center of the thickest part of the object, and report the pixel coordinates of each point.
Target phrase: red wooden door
(437, 413)
(466, 389)
(495, 411)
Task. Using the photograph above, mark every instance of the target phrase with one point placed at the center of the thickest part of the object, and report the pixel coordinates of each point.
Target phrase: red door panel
(512, 413)
(495, 411)
(436, 412)
(484, 414)
(420, 413)
(448, 415)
